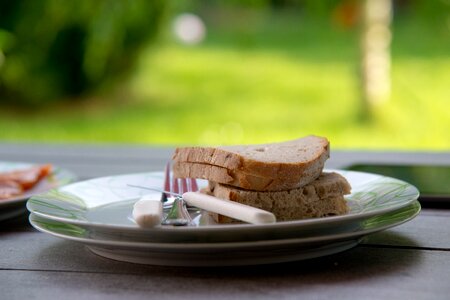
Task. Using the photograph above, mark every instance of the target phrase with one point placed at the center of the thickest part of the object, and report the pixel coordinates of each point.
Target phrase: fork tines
(193, 187)
(180, 185)
(166, 187)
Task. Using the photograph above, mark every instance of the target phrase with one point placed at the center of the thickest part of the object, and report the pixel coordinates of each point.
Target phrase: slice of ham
(16, 182)
(9, 189)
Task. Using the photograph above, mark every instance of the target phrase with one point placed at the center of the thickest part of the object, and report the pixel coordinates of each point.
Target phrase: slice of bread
(322, 197)
(300, 158)
(239, 178)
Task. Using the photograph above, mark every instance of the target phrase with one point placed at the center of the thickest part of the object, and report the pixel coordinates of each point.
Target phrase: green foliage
(260, 79)
(52, 49)
(296, 76)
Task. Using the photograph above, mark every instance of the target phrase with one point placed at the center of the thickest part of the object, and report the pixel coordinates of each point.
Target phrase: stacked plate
(98, 212)
(15, 207)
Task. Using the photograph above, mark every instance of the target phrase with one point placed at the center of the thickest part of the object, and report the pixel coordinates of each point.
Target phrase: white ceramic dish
(223, 253)
(104, 205)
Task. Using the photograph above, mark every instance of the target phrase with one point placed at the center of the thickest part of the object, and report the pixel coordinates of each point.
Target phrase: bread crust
(276, 160)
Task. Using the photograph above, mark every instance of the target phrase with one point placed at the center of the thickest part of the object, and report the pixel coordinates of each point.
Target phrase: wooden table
(411, 261)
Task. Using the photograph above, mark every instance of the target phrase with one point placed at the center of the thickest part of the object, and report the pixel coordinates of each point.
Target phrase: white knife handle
(148, 211)
(229, 208)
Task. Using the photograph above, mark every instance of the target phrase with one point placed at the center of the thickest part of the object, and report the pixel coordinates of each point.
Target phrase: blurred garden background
(220, 72)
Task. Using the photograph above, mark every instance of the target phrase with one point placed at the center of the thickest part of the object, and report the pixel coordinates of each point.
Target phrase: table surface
(411, 261)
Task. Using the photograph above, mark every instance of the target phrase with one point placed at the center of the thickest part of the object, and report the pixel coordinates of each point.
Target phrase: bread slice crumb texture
(323, 197)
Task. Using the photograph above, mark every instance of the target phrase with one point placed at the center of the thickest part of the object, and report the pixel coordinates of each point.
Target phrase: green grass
(281, 79)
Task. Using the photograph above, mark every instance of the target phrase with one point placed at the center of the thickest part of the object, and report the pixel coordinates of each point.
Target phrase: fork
(185, 191)
(148, 211)
(178, 214)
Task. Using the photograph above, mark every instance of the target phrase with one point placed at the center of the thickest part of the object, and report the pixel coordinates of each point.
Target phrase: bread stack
(283, 178)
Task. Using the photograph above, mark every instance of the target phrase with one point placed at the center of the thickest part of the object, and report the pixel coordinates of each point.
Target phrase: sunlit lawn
(279, 81)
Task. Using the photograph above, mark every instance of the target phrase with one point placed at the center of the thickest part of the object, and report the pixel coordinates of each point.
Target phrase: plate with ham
(19, 181)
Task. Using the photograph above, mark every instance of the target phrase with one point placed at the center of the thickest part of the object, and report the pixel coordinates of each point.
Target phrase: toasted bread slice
(322, 197)
(239, 178)
(304, 157)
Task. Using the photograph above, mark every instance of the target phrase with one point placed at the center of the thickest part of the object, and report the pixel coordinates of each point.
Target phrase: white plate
(14, 206)
(104, 205)
(224, 253)
(227, 258)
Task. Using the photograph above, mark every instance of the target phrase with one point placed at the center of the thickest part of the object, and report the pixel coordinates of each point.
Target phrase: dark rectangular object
(433, 182)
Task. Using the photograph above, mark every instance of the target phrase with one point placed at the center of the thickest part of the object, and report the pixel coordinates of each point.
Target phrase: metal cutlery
(185, 191)
(148, 211)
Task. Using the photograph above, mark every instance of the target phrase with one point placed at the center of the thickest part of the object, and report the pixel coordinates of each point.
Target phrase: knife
(148, 211)
(229, 208)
